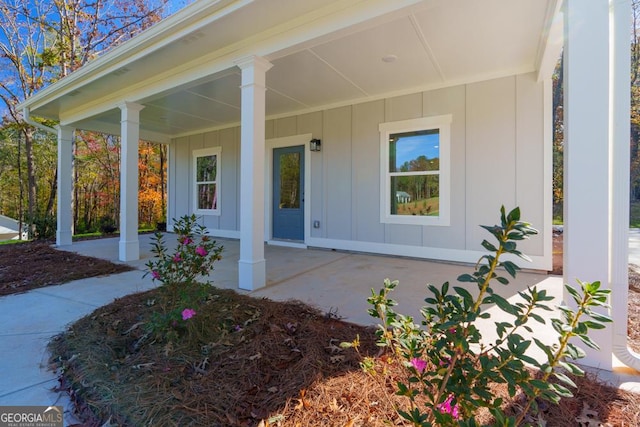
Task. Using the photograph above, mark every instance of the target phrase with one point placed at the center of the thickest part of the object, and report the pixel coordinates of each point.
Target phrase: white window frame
(443, 125)
(214, 151)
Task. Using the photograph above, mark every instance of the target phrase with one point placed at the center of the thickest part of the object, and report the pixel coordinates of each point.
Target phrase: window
(415, 171)
(206, 165)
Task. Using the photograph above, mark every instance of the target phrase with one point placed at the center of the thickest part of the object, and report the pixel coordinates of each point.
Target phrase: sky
(411, 147)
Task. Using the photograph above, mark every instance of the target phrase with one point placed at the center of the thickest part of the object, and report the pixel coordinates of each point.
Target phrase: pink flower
(188, 313)
(446, 408)
(445, 362)
(419, 364)
(155, 275)
(455, 412)
(185, 240)
(177, 258)
(200, 250)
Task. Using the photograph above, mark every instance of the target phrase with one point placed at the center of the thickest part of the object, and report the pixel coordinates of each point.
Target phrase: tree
(151, 182)
(635, 104)
(97, 188)
(43, 41)
(558, 139)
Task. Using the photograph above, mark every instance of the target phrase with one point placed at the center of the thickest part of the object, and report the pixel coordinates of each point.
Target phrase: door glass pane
(289, 181)
(415, 195)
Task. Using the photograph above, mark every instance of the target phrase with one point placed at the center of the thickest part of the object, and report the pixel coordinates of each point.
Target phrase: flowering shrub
(192, 258)
(183, 274)
(451, 368)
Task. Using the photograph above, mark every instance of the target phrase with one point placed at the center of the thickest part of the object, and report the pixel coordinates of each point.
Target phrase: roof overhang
(325, 53)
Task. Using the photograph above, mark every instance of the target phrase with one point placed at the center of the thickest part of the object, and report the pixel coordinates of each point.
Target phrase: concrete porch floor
(334, 281)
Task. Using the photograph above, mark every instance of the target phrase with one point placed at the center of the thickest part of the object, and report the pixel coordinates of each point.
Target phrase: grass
(634, 215)
(423, 207)
(87, 235)
(99, 234)
(12, 242)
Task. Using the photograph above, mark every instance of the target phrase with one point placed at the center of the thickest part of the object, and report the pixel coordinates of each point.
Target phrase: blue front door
(288, 193)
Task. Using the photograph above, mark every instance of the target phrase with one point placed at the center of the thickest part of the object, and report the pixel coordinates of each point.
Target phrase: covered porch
(230, 66)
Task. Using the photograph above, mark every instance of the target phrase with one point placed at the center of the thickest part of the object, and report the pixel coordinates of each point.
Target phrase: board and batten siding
(500, 155)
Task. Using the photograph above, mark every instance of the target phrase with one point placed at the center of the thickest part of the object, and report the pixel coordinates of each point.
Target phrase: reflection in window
(414, 167)
(207, 196)
(207, 184)
(289, 181)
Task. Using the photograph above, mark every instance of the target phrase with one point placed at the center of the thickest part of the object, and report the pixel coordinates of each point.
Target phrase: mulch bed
(31, 265)
(242, 360)
(256, 360)
(255, 363)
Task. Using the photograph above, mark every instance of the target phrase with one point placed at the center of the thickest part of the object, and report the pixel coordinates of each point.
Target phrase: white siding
(312, 124)
(180, 180)
(229, 140)
(497, 157)
(336, 150)
(491, 154)
(365, 205)
(529, 157)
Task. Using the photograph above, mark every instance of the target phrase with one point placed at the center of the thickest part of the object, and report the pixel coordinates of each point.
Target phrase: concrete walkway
(335, 282)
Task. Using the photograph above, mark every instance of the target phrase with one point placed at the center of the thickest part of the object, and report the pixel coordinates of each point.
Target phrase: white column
(620, 136)
(586, 155)
(64, 232)
(129, 248)
(252, 266)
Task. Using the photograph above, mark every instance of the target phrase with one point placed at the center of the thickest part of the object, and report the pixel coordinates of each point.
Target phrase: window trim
(443, 124)
(213, 151)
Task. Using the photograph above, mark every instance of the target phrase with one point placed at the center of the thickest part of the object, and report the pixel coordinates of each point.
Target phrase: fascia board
(551, 41)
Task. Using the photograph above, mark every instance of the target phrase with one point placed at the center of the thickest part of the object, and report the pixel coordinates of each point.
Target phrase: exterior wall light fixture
(315, 144)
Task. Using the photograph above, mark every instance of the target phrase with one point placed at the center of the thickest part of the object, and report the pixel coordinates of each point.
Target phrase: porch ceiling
(421, 45)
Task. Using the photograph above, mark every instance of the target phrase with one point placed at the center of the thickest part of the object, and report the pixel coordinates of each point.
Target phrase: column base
(129, 250)
(63, 238)
(252, 275)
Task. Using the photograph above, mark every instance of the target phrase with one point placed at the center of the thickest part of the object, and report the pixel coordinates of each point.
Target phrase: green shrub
(44, 227)
(107, 225)
(451, 368)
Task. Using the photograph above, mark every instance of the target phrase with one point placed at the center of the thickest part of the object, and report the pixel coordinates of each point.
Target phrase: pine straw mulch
(255, 362)
(284, 365)
(36, 264)
(633, 323)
